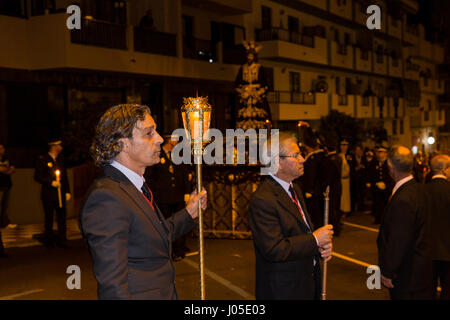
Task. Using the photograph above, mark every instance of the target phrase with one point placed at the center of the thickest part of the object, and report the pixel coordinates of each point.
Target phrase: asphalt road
(39, 273)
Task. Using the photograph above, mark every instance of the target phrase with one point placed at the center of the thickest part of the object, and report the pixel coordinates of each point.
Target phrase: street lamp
(431, 140)
(196, 114)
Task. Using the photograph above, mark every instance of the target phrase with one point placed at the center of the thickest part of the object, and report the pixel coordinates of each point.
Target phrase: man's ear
(125, 142)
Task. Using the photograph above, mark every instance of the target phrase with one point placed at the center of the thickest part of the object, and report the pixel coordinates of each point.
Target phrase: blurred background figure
(315, 179)
(47, 166)
(345, 171)
(421, 166)
(367, 191)
(147, 21)
(380, 182)
(6, 170)
(171, 187)
(438, 189)
(357, 178)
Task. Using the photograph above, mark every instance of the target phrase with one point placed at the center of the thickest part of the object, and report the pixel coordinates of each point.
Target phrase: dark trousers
(167, 209)
(380, 199)
(441, 271)
(4, 202)
(49, 208)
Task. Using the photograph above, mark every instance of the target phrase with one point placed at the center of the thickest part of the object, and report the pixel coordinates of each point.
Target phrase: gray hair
(440, 163)
(401, 158)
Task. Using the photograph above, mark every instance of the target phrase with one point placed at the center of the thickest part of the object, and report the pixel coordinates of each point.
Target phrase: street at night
(36, 272)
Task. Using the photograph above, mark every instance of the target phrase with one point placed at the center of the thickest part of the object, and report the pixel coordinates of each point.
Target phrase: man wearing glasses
(287, 248)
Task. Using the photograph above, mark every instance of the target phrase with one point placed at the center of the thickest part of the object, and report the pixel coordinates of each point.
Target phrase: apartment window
(347, 39)
(426, 115)
(394, 22)
(266, 17)
(379, 54)
(341, 2)
(402, 128)
(294, 81)
(293, 24)
(394, 127)
(365, 101)
(364, 54)
(342, 100)
(425, 81)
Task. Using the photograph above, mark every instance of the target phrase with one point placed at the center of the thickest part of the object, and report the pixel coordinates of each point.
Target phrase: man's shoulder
(265, 192)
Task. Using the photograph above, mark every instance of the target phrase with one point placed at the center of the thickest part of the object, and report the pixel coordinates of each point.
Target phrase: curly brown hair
(116, 123)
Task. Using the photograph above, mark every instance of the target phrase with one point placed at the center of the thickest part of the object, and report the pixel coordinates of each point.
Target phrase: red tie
(148, 194)
(295, 199)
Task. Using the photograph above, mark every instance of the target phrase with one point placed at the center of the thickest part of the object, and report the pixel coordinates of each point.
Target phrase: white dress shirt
(136, 180)
(401, 182)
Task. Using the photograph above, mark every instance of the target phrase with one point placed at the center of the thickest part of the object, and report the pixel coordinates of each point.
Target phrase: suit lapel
(303, 204)
(285, 200)
(139, 199)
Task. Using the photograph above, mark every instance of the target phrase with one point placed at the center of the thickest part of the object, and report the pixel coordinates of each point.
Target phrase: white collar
(136, 180)
(439, 176)
(402, 182)
(284, 184)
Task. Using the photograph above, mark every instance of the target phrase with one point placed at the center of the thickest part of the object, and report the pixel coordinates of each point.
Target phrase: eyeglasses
(295, 155)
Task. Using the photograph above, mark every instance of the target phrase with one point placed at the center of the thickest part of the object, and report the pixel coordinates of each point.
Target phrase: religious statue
(253, 112)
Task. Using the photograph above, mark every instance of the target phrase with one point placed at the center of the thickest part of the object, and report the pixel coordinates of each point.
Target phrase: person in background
(404, 246)
(357, 178)
(438, 189)
(171, 188)
(46, 173)
(6, 170)
(147, 21)
(314, 180)
(380, 182)
(343, 160)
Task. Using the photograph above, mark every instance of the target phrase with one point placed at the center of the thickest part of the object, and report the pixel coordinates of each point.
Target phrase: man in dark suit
(438, 190)
(380, 182)
(315, 179)
(403, 241)
(129, 240)
(171, 188)
(287, 248)
(51, 174)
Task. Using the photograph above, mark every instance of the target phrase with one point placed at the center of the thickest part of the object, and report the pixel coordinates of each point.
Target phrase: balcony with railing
(343, 103)
(395, 27)
(291, 97)
(380, 65)
(101, 34)
(411, 70)
(411, 33)
(364, 107)
(281, 43)
(198, 49)
(285, 35)
(363, 60)
(155, 42)
(289, 105)
(341, 55)
(395, 67)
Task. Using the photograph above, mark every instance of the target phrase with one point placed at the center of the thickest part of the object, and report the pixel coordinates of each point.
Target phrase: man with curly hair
(129, 240)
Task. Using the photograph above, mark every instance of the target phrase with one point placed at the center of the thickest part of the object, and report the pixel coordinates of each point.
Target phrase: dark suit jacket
(403, 243)
(45, 173)
(439, 196)
(284, 246)
(130, 246)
